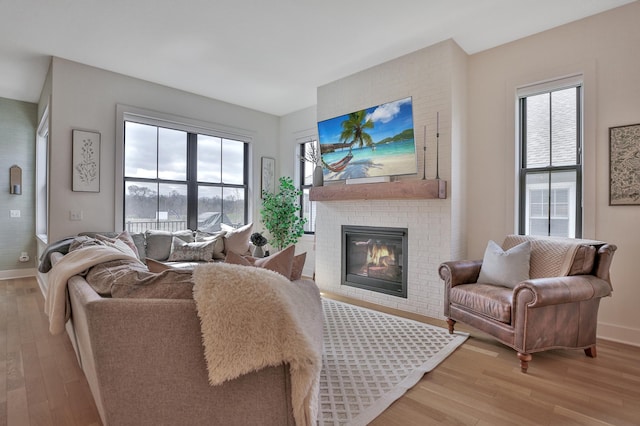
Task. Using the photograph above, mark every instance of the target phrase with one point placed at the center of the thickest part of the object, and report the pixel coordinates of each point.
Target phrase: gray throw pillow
(505, 268)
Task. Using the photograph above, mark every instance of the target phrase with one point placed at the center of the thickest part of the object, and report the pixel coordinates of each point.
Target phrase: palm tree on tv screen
(354, 130)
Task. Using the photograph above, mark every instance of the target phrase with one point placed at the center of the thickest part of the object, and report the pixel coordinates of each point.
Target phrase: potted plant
(281, 214)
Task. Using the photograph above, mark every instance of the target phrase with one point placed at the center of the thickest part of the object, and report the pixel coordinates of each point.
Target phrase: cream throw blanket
(73, 263)
(253, 318)
(550, 256)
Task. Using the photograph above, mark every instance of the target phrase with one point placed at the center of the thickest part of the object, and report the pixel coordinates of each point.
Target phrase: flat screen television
(373, 142)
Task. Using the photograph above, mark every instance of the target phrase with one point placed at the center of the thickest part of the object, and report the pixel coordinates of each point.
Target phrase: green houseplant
(281, 214)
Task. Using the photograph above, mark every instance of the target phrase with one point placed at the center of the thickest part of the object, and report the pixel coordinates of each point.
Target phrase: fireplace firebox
(375, 258)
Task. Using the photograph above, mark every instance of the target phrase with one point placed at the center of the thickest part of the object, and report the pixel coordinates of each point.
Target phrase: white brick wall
(427, 76)
(428, 225)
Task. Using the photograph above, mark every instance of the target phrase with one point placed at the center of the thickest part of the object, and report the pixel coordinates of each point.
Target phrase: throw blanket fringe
(56, 305)
(252, 318)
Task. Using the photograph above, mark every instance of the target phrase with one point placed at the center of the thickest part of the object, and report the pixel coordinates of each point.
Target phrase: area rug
(370, 359)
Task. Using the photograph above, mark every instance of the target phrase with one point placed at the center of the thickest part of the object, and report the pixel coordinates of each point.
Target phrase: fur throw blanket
(252, 318)
(56, 305)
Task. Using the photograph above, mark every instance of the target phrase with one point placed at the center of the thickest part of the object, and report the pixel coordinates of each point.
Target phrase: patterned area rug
(370, 359)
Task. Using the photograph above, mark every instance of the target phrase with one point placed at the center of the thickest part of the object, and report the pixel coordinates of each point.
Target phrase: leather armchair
(541, 313)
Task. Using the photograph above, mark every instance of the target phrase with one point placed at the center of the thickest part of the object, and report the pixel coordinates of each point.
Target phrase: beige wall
(606, 49)
(84, 97)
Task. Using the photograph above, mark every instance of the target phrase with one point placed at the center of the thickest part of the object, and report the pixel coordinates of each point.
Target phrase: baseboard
(618, 333)
(17, 273)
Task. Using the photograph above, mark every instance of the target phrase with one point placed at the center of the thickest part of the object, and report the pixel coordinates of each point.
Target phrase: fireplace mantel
(399, 190)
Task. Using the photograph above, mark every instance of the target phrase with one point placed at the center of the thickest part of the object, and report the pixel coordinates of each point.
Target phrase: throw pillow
(237, 240)
(117, 244)
(298, 266)
(155, 266)
(505, 268)
(182, 251)
(280, 262)
(125, 237)
(218, 237)
(159, 242)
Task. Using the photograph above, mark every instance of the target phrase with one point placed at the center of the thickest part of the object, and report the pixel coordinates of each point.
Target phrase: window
(550, 161)
(308, 150)
(178, 178)
(42, 173)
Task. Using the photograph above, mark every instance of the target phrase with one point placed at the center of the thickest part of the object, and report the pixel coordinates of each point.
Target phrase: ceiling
(268, 55)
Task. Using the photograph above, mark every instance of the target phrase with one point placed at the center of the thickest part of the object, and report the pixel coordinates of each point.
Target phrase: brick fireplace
(428, 226)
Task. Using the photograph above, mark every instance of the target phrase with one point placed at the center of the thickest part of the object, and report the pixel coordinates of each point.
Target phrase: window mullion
(192, 180)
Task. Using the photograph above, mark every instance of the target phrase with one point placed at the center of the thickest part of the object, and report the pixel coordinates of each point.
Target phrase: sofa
(144, 361)
(532, 293)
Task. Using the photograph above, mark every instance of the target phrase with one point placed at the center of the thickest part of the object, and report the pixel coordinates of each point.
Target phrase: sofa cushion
(237, 239)
(140, 243)
(159, 242)
(280, 262)
(505, 268)
(197, 251)
(298, 266)
(486, 299)
(102, 276)
(218, 237)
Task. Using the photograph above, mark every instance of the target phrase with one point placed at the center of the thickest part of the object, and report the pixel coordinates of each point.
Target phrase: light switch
(15, 213)
(75, 215)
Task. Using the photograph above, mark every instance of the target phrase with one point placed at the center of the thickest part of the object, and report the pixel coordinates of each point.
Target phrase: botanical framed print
(86, 161)
(268, 180)
(624, 165)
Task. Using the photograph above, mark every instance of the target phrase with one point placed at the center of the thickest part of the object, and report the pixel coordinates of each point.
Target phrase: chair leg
(524, 361)
(591, 351)
(451, 324)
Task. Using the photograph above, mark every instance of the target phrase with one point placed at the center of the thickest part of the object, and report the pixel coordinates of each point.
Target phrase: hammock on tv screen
(338, 166)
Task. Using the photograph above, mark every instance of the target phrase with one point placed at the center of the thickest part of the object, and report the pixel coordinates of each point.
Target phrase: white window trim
(155, 118)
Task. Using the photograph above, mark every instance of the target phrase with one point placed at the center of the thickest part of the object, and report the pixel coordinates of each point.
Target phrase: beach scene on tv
(373, 142)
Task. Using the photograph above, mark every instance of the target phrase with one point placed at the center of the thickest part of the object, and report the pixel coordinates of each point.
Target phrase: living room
(474, 97)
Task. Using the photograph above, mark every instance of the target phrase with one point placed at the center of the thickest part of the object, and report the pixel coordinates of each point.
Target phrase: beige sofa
(143, 359)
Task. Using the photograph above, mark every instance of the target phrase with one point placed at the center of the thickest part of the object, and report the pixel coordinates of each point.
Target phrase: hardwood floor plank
(17, 408)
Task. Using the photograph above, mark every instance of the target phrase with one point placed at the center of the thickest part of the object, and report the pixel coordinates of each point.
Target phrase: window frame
(193, 128)
(302, 186)
(524, 171)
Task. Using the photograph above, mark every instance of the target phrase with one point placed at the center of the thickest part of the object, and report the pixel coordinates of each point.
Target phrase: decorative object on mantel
(312, 155)
(15, 180)
(281, 214)
(86, 161)
(424, 155)
(258, 240)
(624, 165)
(414, 189)
(438, 145)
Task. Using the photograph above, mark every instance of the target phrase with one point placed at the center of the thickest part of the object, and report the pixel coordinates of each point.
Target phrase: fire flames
(380, 255)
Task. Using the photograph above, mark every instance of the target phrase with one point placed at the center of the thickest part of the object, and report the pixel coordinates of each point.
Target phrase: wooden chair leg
(524, 361)
(591, 351)
(451, 324)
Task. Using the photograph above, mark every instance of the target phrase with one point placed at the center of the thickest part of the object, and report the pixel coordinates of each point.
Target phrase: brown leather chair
(557, 308)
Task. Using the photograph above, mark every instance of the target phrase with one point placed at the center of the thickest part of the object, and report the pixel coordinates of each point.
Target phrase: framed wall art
(86, 161)
(268, 180)
(624, 165)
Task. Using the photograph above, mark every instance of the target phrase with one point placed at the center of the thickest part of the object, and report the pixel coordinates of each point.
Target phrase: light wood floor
(479, 384)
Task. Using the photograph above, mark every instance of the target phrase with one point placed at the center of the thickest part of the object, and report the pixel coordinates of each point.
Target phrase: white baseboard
(17, 273)
(618, 333)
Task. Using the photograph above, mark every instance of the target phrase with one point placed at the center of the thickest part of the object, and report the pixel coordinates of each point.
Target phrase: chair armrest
(556, 290)
(603, 262)
(460, 272)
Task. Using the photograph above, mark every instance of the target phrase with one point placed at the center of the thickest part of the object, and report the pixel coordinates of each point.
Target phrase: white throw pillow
(505, 268)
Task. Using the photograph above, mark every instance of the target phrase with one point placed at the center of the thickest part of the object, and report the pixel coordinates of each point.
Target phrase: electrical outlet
(15, 213)
(75, 215)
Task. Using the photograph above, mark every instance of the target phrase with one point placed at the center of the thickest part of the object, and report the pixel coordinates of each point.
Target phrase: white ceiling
(268, 55)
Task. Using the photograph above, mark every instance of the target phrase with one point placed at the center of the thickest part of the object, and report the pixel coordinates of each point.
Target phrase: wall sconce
(15, 180)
